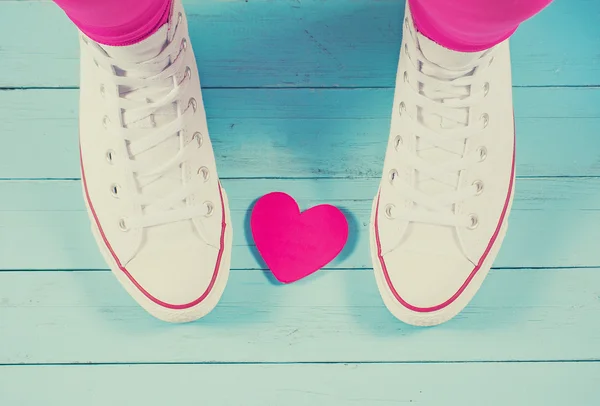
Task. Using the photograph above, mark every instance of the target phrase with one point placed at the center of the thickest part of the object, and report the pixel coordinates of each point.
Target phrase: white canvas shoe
(158, 211)
(441, 212)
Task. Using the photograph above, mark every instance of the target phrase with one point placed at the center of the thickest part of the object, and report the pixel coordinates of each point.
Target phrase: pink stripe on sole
(473, 272)
(132, 279)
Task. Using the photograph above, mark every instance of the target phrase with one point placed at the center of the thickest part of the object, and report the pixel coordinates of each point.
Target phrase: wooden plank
(333, 316)
(302, 132)
(554, 223)
(530, 384)
(311, 44)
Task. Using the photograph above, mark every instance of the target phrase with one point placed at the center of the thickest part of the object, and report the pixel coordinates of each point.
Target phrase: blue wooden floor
(298, 95)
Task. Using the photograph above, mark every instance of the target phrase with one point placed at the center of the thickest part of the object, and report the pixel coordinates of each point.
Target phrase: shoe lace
(444, 97)
(148, 90)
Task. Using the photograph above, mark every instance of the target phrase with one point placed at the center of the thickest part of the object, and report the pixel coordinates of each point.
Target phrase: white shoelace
(445, 96)
(153, 86)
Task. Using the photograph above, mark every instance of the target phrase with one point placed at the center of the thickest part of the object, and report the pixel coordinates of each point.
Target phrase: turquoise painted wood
(310, 43)
(522, 384)
(554, 222)
(334, 316)
(304, 132)
(298, 95)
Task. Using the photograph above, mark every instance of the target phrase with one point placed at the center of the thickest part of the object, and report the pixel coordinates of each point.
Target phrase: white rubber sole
(164, 313)
(439, 316)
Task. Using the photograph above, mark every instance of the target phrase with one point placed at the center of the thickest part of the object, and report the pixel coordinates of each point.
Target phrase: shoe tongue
(141, 51)
(445, 57)
(450, 61)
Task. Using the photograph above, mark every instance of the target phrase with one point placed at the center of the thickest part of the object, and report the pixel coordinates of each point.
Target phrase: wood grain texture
(303, 132)
(554, 222)
(333, 316)
(310, 43)
(548, 384)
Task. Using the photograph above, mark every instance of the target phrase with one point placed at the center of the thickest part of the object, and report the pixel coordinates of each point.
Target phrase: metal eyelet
(114, 190)
(184, 44)
(105, 122)
(204, 172)
(193, 103)
(102, 91)
(473, 221)
(188, 73)
(123, 224)
(210, 208)
(389, 211)
(482, 151)
(405, 75)
(486, 88)
(406, 49)
(398, 141)
(402, 107)
(393, 174)
(406, 23)
(179, 18)
(110, 156)
(478, 187)
(199, 139)
(486, 119)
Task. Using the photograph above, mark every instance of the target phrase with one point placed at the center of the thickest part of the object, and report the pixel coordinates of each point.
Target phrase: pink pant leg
(117, 22)
(471, 25)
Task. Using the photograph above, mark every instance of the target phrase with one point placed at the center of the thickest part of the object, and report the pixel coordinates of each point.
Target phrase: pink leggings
(462, 25)
(117, 22)
(472, 25)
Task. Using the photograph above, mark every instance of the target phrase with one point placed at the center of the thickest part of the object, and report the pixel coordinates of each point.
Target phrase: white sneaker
(441, 212)
(158, 211)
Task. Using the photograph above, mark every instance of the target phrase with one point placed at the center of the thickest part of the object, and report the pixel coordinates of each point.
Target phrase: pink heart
(294, 244)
